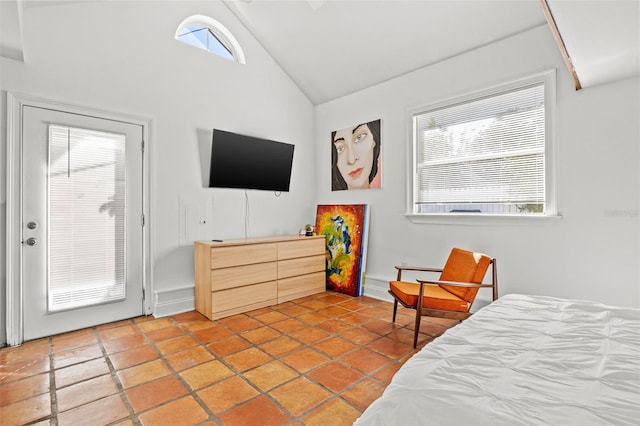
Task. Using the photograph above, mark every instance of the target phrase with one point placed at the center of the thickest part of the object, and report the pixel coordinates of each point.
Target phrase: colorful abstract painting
(345, 227)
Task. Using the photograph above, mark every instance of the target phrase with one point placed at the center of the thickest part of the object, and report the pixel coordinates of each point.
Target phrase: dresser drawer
(299, 266)
(224, 257)
(301, 248)
(241, 299)
(239, 276)
(301, 285)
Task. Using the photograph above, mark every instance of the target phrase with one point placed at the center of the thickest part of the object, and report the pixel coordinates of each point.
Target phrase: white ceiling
(331, 48)
(10, 30)
(602, 38)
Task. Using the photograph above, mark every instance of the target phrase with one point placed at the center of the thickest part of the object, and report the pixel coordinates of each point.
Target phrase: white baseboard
(182, 299)
(174, 301)
(377, 288)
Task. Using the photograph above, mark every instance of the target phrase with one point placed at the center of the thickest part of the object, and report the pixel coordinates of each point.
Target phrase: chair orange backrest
(464, 266)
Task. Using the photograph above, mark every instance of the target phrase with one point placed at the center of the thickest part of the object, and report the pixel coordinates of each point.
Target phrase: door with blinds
(82, 260)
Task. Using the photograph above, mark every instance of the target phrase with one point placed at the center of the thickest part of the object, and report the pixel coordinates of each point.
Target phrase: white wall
(591, 253)
(122, 57)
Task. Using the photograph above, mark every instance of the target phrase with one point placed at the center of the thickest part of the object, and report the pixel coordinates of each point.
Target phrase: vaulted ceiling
(331, 48)
(602, 38)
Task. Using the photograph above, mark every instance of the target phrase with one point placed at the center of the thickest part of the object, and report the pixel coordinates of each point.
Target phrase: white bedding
(522, 360)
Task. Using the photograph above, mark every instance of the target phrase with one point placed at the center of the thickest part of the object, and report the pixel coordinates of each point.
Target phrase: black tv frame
(246, 162)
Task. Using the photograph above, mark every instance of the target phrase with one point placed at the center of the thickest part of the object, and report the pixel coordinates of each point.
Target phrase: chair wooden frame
(439, 313)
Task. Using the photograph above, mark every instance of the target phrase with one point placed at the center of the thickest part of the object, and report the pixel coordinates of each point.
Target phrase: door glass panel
(86, 256)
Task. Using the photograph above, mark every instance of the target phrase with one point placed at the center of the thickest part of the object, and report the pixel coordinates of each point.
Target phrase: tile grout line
(239, 374)
(305, 375)
(299, 374)
(192, 392)
(306, 305)
(365, 376)
(310, 346)
(172, 371)
(116, 380)
(52, 386)
(51, 382)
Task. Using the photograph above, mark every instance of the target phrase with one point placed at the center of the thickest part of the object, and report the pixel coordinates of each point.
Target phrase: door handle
(32, 241)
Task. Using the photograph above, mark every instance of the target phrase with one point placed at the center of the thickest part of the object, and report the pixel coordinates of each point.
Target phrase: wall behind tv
(122, 57)
(591, 253)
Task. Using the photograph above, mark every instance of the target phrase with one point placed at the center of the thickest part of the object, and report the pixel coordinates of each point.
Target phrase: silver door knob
(32, 225)
(32, 241)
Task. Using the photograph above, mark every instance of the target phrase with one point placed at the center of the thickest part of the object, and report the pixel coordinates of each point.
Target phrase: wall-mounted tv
(246, 162)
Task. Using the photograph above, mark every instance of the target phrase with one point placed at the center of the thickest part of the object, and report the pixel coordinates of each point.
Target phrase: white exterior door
(82, 221)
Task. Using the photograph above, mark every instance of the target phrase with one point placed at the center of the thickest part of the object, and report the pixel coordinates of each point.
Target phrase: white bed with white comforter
(523, 360)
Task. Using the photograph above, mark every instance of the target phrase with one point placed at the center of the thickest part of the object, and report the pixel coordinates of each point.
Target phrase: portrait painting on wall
(345, 227)
(356, 159)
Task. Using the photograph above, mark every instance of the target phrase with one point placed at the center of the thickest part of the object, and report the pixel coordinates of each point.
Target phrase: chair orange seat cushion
(434, 297)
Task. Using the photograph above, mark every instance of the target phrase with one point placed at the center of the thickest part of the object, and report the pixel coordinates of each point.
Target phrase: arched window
(208, 34)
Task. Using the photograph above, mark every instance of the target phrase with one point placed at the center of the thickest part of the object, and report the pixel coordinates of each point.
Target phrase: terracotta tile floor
(319, 360)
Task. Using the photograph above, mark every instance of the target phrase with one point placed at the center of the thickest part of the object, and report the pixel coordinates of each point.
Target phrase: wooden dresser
(236, 276)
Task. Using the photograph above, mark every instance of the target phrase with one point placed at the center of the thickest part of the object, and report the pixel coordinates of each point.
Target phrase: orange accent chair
(452, 295)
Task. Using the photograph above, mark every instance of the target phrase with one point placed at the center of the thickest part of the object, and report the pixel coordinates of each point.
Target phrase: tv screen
(246, 162)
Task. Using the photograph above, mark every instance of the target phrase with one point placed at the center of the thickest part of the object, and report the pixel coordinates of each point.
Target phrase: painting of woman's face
(356, 154)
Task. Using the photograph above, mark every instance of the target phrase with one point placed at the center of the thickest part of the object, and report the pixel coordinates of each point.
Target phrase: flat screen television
(246, 162)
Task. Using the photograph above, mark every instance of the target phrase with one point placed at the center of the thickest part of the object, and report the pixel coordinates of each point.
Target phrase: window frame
(548, 79)
(219, 31)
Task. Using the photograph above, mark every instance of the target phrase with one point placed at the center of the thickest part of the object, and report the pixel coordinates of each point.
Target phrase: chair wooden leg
(416, 328)
(395, 309)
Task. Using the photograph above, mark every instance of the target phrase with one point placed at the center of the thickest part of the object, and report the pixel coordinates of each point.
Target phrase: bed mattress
(523, 360)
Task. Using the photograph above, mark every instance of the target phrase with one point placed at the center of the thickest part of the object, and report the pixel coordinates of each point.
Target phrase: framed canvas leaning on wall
(346, 228)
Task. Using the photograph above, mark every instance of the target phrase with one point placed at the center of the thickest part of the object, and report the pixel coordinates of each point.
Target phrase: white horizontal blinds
(86, 253)
(484, 151)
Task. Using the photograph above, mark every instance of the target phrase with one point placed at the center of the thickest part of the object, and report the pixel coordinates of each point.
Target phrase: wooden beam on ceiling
(563, 49)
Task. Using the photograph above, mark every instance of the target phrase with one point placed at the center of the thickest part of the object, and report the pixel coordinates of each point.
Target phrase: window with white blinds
(483, 154)
(86, 209)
